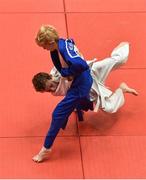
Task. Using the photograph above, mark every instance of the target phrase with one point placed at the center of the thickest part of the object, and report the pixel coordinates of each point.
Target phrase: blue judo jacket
(78, 68)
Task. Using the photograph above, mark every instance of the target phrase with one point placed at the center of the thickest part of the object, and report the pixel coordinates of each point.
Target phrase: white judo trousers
(101, 95)
(104, 98)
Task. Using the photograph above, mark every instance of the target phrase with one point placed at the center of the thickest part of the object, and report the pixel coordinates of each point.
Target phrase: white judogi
(101, 95)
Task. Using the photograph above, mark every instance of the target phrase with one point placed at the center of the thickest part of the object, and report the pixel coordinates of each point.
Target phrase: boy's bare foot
(42, 155)
(127, 89)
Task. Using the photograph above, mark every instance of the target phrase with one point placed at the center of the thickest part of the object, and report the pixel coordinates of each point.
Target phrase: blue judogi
(78, 94)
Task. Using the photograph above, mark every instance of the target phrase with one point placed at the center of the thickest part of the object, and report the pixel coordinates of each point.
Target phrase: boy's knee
(59, 114)
(109, 106)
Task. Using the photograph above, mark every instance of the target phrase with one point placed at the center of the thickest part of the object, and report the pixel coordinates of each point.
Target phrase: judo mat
(103, 145)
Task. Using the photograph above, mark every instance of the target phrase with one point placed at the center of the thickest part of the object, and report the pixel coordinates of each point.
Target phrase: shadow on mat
(99, 123)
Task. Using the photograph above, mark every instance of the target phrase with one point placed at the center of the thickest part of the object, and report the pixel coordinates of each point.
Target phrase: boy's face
(51, 86)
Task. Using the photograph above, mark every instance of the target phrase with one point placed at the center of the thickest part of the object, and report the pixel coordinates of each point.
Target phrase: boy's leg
(121, 53)
(116, 100)
(59, 119)
(101, 69)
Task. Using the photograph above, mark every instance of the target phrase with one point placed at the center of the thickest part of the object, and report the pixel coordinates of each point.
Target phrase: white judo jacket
(101, 95)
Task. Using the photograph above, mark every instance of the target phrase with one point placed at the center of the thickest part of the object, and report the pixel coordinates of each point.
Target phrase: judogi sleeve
(72, 57)
(55, 60)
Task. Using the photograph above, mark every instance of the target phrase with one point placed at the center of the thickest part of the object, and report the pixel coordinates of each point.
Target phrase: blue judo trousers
(77, 96)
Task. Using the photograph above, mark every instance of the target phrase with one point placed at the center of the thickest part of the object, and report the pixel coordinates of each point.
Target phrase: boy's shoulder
(69, 41)
(67, 45)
